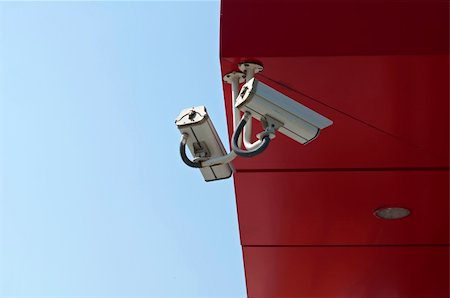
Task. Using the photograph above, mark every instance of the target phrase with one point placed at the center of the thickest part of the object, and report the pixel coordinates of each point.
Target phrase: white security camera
(292, 118)
(200, 136)
(274, 110)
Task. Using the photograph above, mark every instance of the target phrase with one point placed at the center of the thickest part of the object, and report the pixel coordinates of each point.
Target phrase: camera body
(297, 121)
(203, 142)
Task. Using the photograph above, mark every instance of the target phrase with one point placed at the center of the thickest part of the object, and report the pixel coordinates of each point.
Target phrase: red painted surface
(336, 208)
(294, 28)
(388, 112)
(374, 271)
(379, 70)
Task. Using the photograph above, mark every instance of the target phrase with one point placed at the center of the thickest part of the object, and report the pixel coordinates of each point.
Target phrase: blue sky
(94, 200)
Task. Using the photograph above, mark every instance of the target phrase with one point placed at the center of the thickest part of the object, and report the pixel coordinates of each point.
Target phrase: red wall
(379, 70)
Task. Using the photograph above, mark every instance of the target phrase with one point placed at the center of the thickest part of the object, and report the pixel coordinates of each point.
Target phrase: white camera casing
(298, 122)
(203, 141)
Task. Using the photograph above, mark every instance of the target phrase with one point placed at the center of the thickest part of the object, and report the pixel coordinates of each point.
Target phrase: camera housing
(297, 121)
(203, 142)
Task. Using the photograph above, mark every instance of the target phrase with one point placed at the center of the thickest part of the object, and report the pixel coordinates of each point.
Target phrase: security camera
(200, 136)
(285, 114)
(274, 110)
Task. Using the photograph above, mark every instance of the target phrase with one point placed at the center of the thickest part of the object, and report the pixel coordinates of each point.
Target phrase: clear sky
(94, 199)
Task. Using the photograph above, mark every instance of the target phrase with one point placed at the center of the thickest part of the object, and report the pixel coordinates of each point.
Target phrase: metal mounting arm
(265, 137)
(250, 69)
(201, 163)
(184, 157)
(235, 78)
